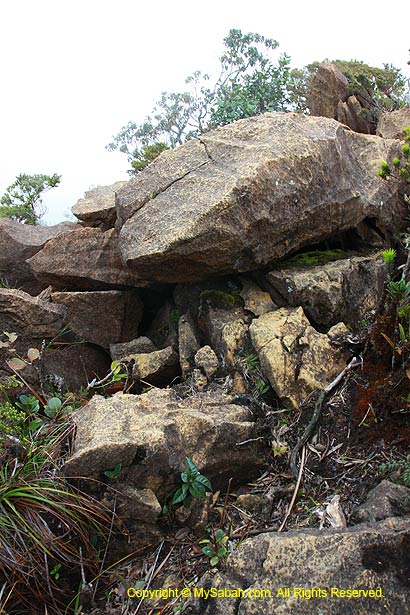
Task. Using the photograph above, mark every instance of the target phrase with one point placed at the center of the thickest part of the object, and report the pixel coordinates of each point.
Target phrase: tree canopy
(253, 78)
(22, 200)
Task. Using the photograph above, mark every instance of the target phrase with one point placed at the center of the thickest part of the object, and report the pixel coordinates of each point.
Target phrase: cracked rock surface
(295, 357)
(250, 193)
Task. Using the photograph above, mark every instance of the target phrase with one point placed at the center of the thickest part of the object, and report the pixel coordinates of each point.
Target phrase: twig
(317, 412)
(106, 546)
(151, 574)
(293, 500)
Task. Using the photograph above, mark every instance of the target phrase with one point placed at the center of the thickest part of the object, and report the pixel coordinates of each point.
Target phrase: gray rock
(97, 208)
(305, 572)
(152, 434)
(84, 259)
(295, 357)
(392, 125)
(141, 345)
(343, 290)
(26, 315)
(19, 242)
(101, 317)
(385, 500)
(252, 192)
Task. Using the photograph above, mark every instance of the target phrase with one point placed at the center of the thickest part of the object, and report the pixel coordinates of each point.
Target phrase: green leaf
(208, 551)
(197, 491)
(115, 472)
(180, 494)
(219, 534)
(191, 466)
(53, 406)
(214, 560)
(203, 480)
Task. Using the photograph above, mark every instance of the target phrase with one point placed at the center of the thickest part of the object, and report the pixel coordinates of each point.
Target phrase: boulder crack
(206, 150)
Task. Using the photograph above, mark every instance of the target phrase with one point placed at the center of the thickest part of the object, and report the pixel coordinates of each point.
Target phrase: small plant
(115, 472)
(216, 546)
(401, 468)
(400, 289)
(194, 485)
(114, 375)
(389, 258)
(399, 167)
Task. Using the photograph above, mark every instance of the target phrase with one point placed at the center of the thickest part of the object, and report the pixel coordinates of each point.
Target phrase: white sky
(74, 72)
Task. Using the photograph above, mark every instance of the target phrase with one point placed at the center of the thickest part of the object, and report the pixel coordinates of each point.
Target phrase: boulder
(101, 317)
(342, 290)
(353, 115)
(256, 300)
(249, 193)
(385, 500)
(207, 360)
(84, 259)
(97, 208)
(159, 368)
(138, 346)
(311, 571)
(26, 315)
(392, 125)
(152, 434)
(295, 357)
(72, 367)
(328, 87)
(330, 97)
(18, 243)
(188, 343)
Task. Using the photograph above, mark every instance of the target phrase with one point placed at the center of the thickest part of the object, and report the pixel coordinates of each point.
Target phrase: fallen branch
(317, 412)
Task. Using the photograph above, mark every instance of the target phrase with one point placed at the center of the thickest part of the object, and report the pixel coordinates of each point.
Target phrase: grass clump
(46, 523)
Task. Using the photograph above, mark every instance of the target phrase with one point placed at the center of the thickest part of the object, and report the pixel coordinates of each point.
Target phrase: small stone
(207, 360)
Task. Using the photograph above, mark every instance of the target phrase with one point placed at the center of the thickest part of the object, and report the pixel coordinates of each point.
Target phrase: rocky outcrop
(330, 96)
(84, 259)
(97, 208)
(103, 317)
(295, 358)
(392, 125)
(343, 290)
(18, 243)
(307, 572)
(151, 434)
(251, 193)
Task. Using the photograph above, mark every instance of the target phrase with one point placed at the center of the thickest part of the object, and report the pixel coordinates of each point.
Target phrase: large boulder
(343, 290)
(29, 316)
(102, 317)
(19, 242)
(151, 434)
(295, 357)
(97, 208)
(247, 194)
(312, 572)
(392, 125)
(84, 259)
(329, 96)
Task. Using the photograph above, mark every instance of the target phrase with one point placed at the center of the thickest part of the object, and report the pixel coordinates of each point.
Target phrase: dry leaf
(16, 364)
(33, 354)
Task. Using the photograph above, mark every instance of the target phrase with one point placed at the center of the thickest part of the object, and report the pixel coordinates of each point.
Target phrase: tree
(250, 82)
(22, 200)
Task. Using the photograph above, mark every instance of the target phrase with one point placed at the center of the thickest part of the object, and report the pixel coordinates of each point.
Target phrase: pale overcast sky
(74, 72)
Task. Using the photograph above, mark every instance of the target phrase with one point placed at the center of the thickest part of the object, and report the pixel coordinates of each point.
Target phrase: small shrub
(194, 485)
